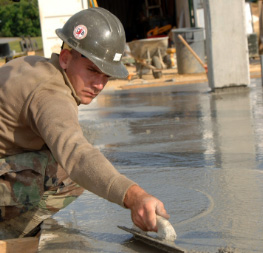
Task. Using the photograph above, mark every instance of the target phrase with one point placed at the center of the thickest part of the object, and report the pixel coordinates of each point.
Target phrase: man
(45, 161)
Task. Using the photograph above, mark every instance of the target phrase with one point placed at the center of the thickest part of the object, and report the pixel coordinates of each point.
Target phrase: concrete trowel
(163, 239)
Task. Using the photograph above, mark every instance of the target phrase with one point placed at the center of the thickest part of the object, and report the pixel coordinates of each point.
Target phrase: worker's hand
(144, 208)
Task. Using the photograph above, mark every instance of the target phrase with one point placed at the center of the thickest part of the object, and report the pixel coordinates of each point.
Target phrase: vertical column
(261, 38)
(226, 44)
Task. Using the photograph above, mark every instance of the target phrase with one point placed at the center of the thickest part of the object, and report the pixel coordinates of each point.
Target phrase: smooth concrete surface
(57, 238)
(201, 153)
(226, 43)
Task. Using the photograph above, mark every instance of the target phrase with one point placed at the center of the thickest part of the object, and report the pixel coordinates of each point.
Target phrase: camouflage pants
(33, 187)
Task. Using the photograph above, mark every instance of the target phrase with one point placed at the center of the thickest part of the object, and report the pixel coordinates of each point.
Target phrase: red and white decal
(80, 32)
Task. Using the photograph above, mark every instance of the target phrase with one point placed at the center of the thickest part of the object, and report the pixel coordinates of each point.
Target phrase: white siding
(53, 15)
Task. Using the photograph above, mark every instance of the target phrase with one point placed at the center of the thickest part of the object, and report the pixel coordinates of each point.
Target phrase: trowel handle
(165, 229)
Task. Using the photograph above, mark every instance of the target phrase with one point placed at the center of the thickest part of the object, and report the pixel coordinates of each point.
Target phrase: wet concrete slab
(200, 153)
(57, 238)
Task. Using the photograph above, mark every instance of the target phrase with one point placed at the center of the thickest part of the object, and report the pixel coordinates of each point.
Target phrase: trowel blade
(164, 245)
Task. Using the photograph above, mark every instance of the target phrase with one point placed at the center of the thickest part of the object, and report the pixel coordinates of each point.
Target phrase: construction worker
(45, 161)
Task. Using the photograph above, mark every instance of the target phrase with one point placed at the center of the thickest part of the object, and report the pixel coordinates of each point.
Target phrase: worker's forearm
(133, 194)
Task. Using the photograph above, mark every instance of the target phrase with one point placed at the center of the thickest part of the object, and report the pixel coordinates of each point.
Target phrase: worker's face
(85, 77)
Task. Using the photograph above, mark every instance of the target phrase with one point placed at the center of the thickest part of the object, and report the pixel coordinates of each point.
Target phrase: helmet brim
(112, 69)
(117, 70)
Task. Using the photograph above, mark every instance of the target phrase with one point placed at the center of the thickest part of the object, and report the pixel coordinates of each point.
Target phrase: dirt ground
(169, 77)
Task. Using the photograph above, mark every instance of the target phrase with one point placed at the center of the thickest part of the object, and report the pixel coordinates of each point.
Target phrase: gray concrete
(201, 153)
(226, 43)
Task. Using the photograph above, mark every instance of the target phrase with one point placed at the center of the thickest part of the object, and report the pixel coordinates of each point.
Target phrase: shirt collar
(55, 61)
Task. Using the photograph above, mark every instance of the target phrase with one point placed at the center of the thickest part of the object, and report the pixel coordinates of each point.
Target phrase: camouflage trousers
(33, 187)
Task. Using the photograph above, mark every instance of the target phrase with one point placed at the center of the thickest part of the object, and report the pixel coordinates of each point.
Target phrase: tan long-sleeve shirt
(38, 106)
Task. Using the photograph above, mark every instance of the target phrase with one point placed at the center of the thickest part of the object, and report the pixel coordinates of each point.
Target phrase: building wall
(53, 15)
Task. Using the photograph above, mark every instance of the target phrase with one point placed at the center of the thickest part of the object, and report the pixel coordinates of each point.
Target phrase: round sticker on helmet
(80, 32)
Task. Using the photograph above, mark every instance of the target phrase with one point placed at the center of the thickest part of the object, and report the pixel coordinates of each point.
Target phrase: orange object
(93, 3)
(158, 31)
(171, 50)
(130, 76)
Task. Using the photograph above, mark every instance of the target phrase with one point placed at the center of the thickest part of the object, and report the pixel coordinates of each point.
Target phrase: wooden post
(20, 245)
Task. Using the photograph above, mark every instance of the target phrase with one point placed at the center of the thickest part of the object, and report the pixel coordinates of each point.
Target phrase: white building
(53, 15)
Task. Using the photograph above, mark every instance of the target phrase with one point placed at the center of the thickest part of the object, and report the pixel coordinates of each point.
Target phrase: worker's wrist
(132, 195)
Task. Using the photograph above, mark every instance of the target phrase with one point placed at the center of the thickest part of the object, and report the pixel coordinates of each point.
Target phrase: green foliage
(4, 2)
(18, 19)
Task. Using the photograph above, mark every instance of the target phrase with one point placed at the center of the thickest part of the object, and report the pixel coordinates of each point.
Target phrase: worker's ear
(65, 58)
